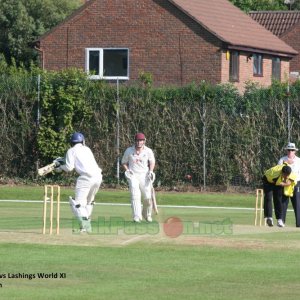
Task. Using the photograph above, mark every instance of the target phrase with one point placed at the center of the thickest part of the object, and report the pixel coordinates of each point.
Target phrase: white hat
(291, 146)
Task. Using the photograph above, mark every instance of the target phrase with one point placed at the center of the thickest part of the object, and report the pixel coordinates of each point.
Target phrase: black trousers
(275, 193)
(295, 202)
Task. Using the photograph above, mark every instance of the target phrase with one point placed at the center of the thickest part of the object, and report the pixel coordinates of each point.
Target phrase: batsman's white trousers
(85, 191)
(140, 187)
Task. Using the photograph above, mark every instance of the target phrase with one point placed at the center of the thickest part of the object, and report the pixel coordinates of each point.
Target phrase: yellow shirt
(274, 175)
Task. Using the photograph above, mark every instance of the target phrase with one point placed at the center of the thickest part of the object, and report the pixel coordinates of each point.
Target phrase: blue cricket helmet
(77, 137)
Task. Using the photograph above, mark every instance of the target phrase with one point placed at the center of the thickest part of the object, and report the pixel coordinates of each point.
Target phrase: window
(276, 68)
(108, 63)
(257, 65)
(234, 66)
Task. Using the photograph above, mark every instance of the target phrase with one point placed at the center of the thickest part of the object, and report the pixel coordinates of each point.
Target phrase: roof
(233, 26)
(278, 22)
(225, 21)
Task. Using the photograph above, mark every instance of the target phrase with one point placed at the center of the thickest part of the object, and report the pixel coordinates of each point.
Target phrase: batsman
(139, 162)
(81, 158)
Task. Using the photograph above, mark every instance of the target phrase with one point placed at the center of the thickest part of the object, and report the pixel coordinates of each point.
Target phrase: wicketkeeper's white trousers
(140, 188)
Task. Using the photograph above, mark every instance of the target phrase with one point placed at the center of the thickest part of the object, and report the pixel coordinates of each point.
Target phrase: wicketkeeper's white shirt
(138, 163)
(81, 158)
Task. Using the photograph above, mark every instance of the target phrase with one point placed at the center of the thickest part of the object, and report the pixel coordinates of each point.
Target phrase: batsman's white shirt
(81, 158)
(138, 162)
(295, 166)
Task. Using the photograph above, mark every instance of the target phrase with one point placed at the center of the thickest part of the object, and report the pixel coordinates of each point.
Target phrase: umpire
(294, 162)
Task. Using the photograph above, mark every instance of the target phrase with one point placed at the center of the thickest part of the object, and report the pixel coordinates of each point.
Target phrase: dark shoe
(270, 222)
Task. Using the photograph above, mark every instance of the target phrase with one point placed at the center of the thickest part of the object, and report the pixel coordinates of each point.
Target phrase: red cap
(139, 136)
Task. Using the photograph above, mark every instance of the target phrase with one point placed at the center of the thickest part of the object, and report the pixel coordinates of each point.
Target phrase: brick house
(177, 41)
(285, 25)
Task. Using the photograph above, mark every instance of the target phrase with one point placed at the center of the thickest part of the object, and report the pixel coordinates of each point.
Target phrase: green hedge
(242, 134)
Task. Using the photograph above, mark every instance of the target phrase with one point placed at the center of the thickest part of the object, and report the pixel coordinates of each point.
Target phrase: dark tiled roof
(232, 26)
(277, 22)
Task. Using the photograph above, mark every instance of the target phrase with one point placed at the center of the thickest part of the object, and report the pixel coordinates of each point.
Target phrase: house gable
(161, 39)
(177, 41)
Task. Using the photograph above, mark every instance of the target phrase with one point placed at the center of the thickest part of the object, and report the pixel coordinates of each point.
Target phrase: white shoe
(270, 222)
(136, 220)
(149, 219)
(280, 223)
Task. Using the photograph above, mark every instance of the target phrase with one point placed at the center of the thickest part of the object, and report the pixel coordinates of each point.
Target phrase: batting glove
(151, 176)
(128, 174)
(59, 161)
(58, 170)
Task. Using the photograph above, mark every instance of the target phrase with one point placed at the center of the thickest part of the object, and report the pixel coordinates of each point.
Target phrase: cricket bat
(153, 198)
(47, 169)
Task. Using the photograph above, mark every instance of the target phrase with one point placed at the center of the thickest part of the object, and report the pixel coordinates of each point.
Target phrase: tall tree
(248, 5)
(23, 21)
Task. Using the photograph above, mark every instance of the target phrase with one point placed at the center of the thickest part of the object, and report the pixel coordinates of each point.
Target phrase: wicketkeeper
(81, 158)
(139, 162)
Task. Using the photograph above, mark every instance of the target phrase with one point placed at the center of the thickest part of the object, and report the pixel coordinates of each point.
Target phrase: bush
(210, 132)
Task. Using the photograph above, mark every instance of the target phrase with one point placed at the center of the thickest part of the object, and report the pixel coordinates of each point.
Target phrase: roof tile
(232, 26)
(278, 22)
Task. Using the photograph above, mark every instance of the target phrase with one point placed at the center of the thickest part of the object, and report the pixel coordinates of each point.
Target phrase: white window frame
(101, 71)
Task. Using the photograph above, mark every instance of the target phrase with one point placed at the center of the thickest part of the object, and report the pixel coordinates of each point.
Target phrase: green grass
(156, 272)
(123, 196)
(124, 263)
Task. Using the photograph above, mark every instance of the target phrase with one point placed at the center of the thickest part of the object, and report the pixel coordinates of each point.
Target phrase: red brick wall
(161, 40)
(292, 38)
(246, 70)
